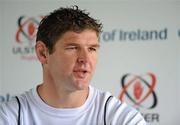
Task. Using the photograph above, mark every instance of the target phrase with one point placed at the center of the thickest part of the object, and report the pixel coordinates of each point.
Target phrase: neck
(62, 99)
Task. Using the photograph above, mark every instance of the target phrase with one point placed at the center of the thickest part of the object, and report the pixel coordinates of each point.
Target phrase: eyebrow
(89, 45)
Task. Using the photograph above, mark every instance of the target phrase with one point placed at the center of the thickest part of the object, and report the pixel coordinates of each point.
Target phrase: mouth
(81, 73)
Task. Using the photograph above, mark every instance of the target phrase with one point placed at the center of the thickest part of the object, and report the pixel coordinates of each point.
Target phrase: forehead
(86, 36)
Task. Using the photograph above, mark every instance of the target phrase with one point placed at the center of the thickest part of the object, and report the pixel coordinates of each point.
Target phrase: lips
(81, 73)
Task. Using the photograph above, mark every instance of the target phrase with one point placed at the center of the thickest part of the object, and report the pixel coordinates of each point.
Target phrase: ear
(41, 52)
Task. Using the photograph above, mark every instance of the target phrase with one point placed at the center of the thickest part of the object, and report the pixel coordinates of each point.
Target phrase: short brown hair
(54, 25)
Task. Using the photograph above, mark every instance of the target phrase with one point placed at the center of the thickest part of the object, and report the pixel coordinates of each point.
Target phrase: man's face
(72, 64)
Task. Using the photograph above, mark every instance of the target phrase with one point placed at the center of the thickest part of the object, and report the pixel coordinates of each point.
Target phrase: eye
(71, 47)
(92, 49)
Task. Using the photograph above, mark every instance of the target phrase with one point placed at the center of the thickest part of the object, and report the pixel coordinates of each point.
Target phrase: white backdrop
(140, 40)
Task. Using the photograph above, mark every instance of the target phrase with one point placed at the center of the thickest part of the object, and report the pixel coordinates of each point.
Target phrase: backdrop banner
(139, 60)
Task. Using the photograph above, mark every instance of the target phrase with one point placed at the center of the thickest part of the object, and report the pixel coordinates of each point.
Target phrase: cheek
(94, 61)
(67, 62)
(58, 63)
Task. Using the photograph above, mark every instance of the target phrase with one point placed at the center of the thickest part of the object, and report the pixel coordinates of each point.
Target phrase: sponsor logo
(5, 98)
(26, 29)
(134, 35)
(139, 91)
(25, 37)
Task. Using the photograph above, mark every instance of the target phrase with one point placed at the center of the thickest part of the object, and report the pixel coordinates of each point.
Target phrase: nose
(83, 56)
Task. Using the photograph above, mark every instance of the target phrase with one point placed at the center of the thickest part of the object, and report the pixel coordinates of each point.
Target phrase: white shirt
(36, 112)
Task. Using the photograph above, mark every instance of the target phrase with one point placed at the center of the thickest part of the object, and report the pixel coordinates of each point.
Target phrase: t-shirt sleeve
(8, 113)
(119, 113)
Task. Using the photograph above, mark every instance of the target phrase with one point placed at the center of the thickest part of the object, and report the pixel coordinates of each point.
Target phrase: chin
(82, 85)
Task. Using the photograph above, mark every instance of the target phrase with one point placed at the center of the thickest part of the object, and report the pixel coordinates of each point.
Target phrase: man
(67, 46)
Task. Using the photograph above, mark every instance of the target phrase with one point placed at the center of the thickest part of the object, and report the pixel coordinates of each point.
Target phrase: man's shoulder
(105, 97)
(11, 106)
(118, 111)
(8, 110)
